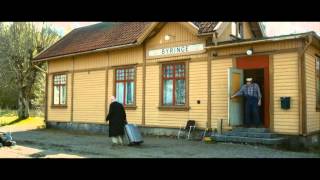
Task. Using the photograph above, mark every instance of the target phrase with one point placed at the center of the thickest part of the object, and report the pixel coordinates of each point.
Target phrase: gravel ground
(53, 143)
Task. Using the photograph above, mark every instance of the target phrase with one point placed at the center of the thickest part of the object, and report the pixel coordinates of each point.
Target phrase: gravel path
(53, 143)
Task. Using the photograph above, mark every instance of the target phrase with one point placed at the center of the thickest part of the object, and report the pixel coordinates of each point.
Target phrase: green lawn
(8, 117)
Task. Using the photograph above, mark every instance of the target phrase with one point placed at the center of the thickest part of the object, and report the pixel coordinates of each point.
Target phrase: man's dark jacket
(117, 119)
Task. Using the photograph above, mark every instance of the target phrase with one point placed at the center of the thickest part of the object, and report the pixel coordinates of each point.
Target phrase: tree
(8, 89)
(19, 43)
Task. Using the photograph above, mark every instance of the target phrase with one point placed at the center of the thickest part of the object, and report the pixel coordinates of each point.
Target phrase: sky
(64, 27)
(280, 28)
(272, 28)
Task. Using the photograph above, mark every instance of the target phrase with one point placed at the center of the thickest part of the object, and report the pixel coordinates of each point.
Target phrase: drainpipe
(215, 42)
(144, 86)
(209, 105)
(72, 91)
(303, 108)
(215, 38)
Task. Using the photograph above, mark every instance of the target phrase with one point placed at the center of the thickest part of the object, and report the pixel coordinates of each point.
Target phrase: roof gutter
(206, 34)
(88, 52)
(255, 41)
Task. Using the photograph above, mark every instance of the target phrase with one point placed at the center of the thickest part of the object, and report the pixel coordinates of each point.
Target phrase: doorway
(257, 75)
(257, 67)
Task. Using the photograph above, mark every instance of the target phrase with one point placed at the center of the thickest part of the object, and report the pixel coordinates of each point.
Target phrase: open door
(235, 106)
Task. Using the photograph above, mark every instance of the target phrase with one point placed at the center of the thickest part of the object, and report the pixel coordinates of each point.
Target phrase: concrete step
(251, 134)
(256, 130)
(249, 140)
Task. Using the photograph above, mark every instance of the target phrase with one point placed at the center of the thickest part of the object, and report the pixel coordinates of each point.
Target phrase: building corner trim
(209, 92)
(303, 93)
(144, 85)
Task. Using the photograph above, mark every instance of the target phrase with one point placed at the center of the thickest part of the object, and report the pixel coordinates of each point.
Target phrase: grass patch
(10, 117)
(7, 113)
(33, 121)
(7, 117)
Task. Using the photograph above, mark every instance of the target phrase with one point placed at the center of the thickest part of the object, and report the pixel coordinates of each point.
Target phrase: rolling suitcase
(133, 134)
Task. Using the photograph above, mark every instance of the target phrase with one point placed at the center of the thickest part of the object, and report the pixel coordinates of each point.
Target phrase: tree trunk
(24, 101)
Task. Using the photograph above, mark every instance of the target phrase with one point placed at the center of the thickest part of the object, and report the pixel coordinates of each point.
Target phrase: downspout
(303, 104)
(209, 125)
(215, 38)
(209, 105)
(46, 93)
(72, 90)
(144, 85)
(106, 87)
(215, 42)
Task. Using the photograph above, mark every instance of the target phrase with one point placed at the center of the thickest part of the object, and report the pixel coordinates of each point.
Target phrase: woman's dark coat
(117, 119)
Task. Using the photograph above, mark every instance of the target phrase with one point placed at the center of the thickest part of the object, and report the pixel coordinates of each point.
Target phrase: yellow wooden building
(166, 73)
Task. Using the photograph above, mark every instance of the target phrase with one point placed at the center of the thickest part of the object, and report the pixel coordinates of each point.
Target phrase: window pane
(117, 74)
(56, 95)
(130, 91)
(63, 79)
(130, 75)
(126, 73)
(167, 92)
(240, 29)
(120, 92)
(120, 74)
(179, 70)
(60, 79)
(180, 92)
(168, 71)
(63, 95)
(57, 79)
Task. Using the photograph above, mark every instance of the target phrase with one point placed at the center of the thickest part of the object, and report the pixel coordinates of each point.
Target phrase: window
(174, 85)
(240, 29)
(237, 29)
(125, 82)
(60, 90)
(234, 29)
(318, 83)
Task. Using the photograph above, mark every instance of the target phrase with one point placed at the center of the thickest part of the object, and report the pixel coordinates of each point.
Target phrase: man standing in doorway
(117, 120)
(251, 92)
